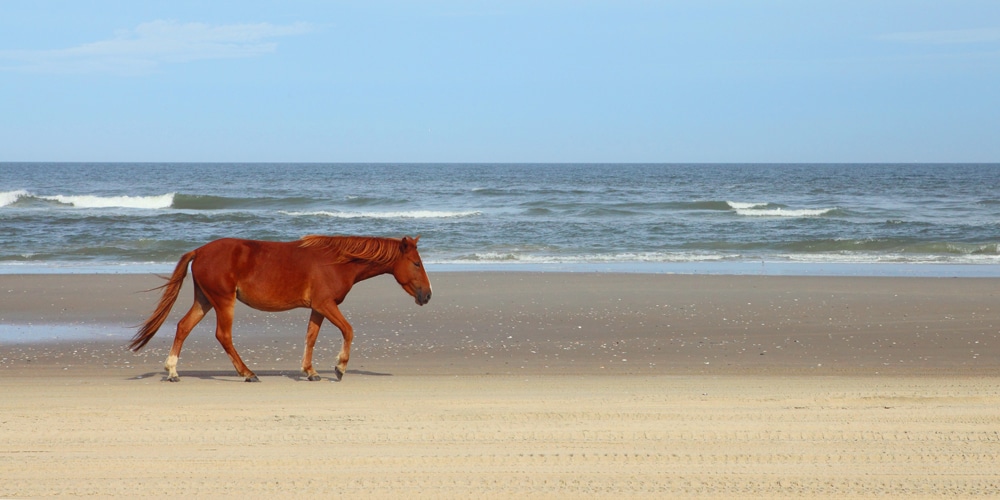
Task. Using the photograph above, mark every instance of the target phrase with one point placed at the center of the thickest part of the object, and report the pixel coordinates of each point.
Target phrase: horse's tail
(171, 289)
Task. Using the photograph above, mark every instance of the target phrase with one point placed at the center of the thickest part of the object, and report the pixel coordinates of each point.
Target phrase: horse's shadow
(230, 376)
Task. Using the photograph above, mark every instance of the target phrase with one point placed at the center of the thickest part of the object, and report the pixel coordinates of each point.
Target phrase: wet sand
(534, 384)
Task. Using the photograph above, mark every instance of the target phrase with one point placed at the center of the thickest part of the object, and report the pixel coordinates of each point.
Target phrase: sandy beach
(533, 384)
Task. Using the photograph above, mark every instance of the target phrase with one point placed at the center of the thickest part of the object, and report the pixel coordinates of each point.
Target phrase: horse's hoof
(252, 378)
(314, 378)
(339, 374)
(173, 379)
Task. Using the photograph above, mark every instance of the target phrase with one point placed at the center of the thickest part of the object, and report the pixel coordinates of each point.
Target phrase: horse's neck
(365, 270)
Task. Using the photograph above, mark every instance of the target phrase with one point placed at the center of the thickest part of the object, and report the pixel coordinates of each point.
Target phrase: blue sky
(500, 81)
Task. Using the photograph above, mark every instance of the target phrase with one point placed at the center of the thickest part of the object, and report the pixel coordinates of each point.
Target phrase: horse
(314, 272)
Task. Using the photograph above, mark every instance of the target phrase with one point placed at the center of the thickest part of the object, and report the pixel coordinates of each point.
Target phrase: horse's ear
(406, 243)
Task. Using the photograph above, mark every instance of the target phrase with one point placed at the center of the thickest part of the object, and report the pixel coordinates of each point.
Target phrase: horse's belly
(269, 303)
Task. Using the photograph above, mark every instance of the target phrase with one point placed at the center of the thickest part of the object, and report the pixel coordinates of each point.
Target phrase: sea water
(933, 220)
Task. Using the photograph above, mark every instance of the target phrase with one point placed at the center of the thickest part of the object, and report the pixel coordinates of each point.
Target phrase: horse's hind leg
(198, 310)
(224, 334)
(315, 321)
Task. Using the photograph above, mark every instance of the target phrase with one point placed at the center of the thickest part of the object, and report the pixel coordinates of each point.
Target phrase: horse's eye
(418, 264)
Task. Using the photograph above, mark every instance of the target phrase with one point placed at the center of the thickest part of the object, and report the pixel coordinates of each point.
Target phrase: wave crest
(756, 209)
(11, 197)
(92, 201)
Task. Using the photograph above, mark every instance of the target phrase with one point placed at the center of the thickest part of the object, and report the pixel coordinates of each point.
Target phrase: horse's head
(409, 271)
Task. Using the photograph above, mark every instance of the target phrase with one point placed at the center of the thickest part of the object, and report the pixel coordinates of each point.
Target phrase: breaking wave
(773, 210)
(10, 198)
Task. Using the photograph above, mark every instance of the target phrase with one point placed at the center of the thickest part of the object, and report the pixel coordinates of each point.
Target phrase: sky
(631, 81)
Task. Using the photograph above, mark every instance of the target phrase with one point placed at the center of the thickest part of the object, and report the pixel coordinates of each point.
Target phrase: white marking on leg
(171, 365)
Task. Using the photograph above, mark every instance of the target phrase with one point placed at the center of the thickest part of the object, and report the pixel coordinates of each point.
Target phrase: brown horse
(314, 272)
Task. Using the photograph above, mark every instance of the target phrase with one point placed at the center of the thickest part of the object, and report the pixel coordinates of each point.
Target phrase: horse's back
(233, 255)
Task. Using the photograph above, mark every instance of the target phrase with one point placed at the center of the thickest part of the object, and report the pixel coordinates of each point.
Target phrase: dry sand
(545, 385)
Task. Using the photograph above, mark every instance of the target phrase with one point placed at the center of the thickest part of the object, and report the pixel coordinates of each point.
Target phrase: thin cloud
(945, 37)
(150, 45)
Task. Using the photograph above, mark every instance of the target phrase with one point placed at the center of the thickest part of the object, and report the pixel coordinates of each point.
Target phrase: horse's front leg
(315, 321)
(332, 313)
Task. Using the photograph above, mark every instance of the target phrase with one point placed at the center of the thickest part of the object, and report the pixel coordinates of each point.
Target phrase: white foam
(740, 205)
(90, 201)
(757, 209)
(891, 258)
(781, 212)
(625, 257)
(11, 197)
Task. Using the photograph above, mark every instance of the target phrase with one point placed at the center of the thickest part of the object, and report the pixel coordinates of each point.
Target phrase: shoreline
(919, 269)
(546, 323)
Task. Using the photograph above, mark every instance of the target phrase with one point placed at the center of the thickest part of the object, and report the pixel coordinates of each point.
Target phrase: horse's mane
(349, 248)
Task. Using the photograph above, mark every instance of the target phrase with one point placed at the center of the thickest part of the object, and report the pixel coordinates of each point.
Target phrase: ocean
(923, 220)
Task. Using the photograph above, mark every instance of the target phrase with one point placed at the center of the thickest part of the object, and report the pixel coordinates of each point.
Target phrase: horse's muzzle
(422, 296)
